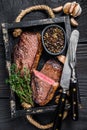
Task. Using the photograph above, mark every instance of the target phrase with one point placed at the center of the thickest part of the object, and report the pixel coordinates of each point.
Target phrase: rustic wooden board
(9, 42)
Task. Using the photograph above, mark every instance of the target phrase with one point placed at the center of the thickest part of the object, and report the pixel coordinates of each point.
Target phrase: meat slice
(52, 69)
(45, 83)
(44, 78)
(27, 52)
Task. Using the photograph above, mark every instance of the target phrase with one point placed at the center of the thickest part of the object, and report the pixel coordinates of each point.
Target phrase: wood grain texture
(8, 12)
(4, 89)
(82, 72)
(82, 78)
(10, 9)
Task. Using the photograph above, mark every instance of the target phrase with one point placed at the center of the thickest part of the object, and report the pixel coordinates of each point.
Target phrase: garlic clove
(57, 9)
(77, 10)
(26, 105)
(73, 4)
(65, 114)
(61, 58)
(74, 22)
(66, 7)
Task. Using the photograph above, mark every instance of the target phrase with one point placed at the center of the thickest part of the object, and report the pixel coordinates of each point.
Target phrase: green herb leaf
(20, 84)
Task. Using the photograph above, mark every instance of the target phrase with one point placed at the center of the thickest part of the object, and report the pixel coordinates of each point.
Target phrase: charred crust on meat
(28, 51)
(39, 52)
(48, 90)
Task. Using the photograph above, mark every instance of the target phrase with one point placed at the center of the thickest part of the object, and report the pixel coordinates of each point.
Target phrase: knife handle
(59, 112)
(74, 100)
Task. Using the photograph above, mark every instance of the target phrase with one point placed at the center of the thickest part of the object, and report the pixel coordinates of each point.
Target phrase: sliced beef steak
(45, 83)
(52, 69)
(27, 52)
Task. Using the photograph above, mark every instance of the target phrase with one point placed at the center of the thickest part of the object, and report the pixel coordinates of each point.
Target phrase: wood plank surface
(9, 9)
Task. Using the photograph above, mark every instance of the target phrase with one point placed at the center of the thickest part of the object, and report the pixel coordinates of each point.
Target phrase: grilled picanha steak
(52, 69)
(27, 52)
(45, 83)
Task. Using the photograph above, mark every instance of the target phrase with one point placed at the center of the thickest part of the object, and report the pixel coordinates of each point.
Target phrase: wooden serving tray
(10, 41)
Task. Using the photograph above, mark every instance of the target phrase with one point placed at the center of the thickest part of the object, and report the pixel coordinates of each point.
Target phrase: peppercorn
(54, 39)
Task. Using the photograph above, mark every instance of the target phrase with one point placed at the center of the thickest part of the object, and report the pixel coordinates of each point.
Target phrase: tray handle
(17, 32)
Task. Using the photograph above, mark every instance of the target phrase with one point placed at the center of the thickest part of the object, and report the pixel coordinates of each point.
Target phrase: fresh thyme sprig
(20, 84)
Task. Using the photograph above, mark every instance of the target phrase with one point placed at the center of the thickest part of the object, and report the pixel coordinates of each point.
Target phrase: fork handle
(74, 100)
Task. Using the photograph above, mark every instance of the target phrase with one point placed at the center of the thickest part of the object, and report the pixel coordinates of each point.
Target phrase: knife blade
(73, 81)
(64, 83)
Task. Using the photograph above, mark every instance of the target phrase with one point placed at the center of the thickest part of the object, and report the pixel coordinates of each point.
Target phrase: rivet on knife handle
(60, 111)
(74, 100)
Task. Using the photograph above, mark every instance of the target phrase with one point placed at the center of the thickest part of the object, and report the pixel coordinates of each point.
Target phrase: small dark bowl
(43, 42)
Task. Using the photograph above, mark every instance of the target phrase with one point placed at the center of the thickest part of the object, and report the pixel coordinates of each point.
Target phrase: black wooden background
(9, 9)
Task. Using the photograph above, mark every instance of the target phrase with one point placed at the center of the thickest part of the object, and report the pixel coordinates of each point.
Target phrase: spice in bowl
(53, 39)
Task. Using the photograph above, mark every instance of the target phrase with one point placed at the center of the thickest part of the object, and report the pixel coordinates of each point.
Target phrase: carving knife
(65, 81)
(73, 81)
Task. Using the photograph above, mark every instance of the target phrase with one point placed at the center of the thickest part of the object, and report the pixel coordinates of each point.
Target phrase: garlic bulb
(74, 9)
(70, 8)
